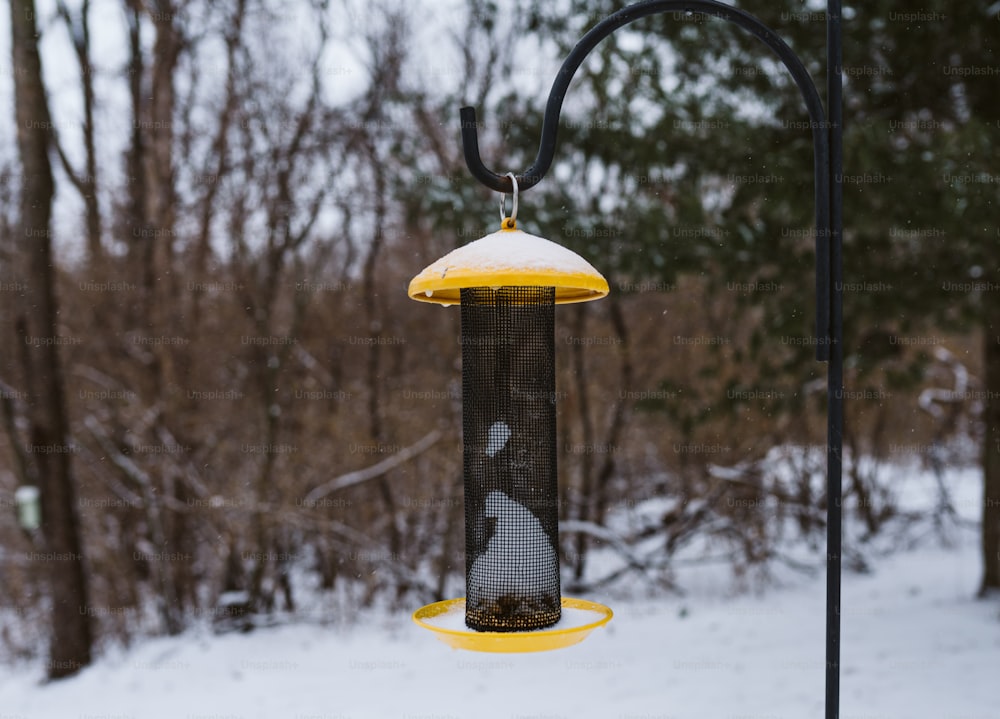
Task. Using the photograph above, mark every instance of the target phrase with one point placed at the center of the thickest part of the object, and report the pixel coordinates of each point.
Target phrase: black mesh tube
(509, 437)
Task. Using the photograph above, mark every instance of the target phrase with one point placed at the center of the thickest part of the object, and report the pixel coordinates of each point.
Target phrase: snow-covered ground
(915, 644)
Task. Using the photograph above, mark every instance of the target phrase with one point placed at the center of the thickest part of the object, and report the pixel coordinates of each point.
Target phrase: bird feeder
(507, 285)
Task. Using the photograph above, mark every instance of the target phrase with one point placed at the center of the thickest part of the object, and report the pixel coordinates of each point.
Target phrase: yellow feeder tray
(509, 258)
(538, 640)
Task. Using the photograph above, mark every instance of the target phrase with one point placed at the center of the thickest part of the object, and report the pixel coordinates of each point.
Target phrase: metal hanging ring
(509, 223)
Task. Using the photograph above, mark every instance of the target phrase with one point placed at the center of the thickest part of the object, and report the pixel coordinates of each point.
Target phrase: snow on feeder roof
(511, 258)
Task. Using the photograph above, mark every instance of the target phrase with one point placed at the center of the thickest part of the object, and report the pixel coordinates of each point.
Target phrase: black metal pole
(827, 159)
(835, 370)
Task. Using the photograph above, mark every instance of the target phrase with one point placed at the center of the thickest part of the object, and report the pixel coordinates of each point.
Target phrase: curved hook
(509, 222)
(553, 108)
(825, 231)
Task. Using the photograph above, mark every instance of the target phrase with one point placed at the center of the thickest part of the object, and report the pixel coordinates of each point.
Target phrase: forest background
(209, 212)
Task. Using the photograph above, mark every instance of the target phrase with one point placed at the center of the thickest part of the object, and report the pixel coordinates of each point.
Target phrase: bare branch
(376, 470)
(618, 543)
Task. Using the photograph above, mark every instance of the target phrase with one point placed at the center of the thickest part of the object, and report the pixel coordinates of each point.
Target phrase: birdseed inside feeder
(508, 284)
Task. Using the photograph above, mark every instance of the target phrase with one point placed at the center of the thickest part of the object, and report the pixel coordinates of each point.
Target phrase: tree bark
(86, 183)
(582, 379)
(991, 452)
(161, 284)
(150, 220)
(51, 448)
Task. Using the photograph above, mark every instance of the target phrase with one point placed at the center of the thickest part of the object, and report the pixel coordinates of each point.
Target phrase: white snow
(509, 251)
(496, 438)
(503, 568)
(916, 645)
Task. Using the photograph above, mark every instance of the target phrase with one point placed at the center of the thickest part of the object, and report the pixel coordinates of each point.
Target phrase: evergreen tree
(686, 134)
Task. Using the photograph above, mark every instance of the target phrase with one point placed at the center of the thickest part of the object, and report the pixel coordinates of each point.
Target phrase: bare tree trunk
(160, 199)
(389, 56)
(86, 184)
(596, 474)
(374, 366)
(991, 453)
(151, 216)
(220, 160)
(163, 289)
(618, 416)
(134, 214)
(71, 637)
(584, 513)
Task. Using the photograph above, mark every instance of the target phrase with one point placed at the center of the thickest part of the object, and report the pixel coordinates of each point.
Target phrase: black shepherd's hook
(827, 151)
(814, 105)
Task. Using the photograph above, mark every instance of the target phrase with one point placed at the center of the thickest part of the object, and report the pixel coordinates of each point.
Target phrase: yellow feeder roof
(506, 258)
